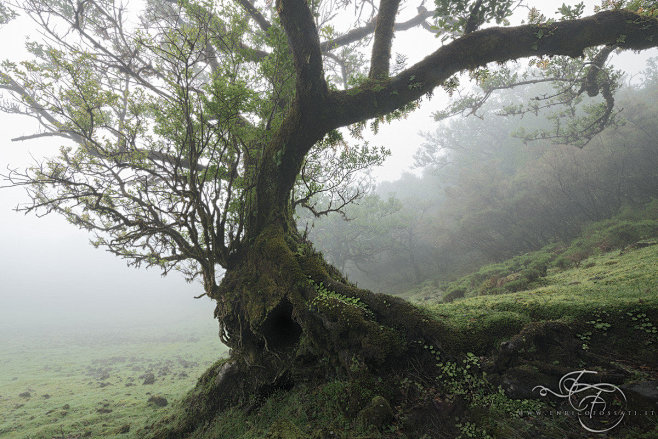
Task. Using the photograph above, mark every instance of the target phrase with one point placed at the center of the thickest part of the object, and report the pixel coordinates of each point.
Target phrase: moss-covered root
(284, 307)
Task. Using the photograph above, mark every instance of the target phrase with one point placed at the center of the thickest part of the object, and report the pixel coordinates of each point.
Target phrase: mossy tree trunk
(291, 318)
(286, 314)
(284, 311)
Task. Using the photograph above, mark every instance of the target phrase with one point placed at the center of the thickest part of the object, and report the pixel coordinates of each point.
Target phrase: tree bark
(283, 306)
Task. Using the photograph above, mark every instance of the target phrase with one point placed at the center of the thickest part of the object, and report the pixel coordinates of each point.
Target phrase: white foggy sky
(47, 266)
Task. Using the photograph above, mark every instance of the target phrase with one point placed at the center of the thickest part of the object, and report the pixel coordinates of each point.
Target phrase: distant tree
(505, 198)
(358, 237)
(200, 125)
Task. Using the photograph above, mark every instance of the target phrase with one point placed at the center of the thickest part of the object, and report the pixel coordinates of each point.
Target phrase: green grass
(87, 384)
(305, 411)
(619, 286)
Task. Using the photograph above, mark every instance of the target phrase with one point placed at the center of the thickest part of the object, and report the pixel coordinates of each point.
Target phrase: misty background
(53, 281)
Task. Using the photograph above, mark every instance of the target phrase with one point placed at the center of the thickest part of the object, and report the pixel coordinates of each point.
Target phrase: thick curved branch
(375, 98)
(381, 48)
(361, 32)
(299, 25)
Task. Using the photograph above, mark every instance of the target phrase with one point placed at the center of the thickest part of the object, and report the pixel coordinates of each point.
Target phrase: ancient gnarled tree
(196, 128)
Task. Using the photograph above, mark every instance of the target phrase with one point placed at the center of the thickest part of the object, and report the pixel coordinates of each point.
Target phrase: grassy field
(90, 383)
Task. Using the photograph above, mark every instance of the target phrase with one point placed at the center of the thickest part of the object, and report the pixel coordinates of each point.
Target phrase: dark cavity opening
(279, 328)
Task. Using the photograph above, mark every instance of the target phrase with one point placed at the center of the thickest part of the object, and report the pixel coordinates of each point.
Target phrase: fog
(52, 280)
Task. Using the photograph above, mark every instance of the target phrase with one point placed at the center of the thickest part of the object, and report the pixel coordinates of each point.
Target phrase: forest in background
(484, 195)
